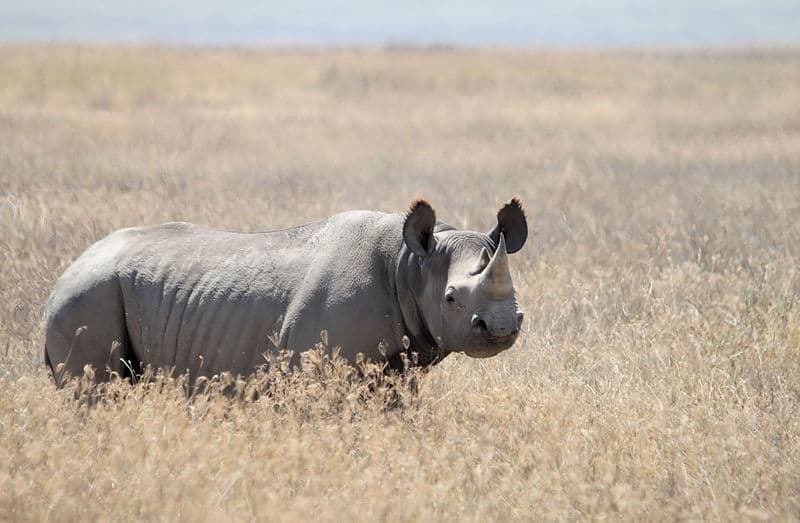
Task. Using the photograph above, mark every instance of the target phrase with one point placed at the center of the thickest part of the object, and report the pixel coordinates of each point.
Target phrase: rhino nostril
(520, 317)
(479, 324)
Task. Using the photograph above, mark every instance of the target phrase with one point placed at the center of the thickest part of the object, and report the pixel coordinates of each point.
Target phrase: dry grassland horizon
(657, 375)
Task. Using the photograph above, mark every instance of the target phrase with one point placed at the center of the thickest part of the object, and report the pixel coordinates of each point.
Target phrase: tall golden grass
(658, 372)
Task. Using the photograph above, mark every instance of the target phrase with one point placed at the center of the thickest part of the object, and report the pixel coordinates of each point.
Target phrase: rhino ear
(512, 223)
(418, 228)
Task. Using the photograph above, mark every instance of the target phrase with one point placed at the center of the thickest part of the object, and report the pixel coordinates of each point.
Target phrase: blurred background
(571, 23)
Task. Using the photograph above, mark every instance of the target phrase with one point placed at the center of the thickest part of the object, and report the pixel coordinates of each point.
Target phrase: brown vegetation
(658, 373)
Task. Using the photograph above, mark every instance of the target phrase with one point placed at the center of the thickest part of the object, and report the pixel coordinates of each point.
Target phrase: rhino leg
(86, 326)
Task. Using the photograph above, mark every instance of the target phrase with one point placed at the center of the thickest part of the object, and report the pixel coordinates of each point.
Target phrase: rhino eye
(450, 295)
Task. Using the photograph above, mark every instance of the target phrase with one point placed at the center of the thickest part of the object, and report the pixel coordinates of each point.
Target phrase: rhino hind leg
(87, 327)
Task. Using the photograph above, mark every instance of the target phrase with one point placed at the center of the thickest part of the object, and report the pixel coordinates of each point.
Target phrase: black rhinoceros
(203, 301)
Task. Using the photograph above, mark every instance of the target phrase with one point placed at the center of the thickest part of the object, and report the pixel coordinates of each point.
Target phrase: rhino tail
(48, 363)
(130, 365)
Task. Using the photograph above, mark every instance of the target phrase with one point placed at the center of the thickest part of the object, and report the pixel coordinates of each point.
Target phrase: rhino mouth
(491, 346)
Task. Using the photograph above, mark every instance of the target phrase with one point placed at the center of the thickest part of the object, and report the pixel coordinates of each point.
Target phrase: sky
(505, 23)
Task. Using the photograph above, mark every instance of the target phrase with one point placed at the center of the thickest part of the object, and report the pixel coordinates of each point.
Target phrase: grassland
(658, 373)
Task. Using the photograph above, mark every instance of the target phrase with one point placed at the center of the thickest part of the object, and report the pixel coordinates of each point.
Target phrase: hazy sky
(464, 22)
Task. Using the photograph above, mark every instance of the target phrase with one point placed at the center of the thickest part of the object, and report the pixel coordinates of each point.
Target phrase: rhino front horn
(497, 274)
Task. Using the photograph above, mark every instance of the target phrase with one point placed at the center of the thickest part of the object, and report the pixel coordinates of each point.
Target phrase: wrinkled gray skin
(206, 301)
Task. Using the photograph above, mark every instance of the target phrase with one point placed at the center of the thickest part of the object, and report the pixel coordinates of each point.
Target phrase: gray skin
(178, 296)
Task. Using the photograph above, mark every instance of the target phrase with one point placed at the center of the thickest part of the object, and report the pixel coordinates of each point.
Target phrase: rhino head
(458, 291)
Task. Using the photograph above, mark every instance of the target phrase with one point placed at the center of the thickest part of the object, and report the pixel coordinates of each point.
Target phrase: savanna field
(657, 375)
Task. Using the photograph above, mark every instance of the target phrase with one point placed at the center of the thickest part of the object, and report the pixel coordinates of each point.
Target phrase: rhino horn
(497, 275)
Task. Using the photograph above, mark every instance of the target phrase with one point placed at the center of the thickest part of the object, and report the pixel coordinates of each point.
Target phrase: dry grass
(658, 375)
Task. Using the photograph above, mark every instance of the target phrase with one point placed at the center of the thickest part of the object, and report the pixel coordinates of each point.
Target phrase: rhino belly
(197, 327)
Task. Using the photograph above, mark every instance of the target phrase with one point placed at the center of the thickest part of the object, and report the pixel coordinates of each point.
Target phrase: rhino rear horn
(418, 228)
(511, 222)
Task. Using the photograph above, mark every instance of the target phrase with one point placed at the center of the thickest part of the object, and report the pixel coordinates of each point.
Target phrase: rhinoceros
(397, 288)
